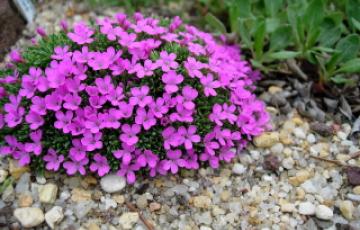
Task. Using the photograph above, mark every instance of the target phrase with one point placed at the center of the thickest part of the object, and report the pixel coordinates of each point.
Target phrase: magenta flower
(172, 80)
(15, 56)
(209, 85)
(190, 160)
(115, 96)
(82, 34)
(63, 120)
(159, 108)
(104, 85)
(145, 118)
(53, 102)
(140, 96)
(188, 95)
(41, 31)
(171, 138)
(126, 110)
(78, 151)
(14, 117)
(32, 82)
(100, 165)
(110, 31)
(128, 171)
(129, 134)
(38, 105)
(100, 61)
(72, 101)
(34, 120)
(173, 161)
(142, 71)
(61, 53)
(125, 153)
(189, 136)
(210, 144)
(82, 57)
(127, 39)
(74, 166)
(92, 141)
(217, 115)
(167, 61)
(147, 158)
(53, 160)
(194, 67)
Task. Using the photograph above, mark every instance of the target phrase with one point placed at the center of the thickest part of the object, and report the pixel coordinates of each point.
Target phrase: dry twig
(142, 218)
(296, 69)
(339, 163)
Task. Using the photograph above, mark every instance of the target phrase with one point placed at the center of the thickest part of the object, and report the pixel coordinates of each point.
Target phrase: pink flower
(142, 71)
(188, 95)
(193, 67)
(34, 120)
(104, 85)
(92, 141)
(126, 109)
(147, 158)
(82, 57)
(78, 151)
(171, 138)
(173, 161)
(140, 96)
(172, 80)
(128, 171)
(145, 118)
(72, 101)
(61, 53)
(127, 39)
(82, 34)
(167, 61)
(38, 105)
(63, 120)
(110, 31)
(76, 166)
(53, 102)
(189, 136)
(129, 134)
(209, 85)
(125, 153)
(100, 165)
(159, 108)
(15, 56)
(115, 96)
(53, 160)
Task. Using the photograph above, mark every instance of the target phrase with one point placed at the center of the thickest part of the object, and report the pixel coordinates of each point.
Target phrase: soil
(11, 26)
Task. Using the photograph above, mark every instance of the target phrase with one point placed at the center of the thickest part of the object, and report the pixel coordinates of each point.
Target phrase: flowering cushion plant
(130, 95)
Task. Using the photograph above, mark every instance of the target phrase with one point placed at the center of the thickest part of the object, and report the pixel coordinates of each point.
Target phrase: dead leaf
(271, 162)
(322, 129)
(353, 175)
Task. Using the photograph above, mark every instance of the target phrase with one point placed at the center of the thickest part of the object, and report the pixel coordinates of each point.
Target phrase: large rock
(29, 217)
(112, 183)
(323, 212)
(54, 216)
(47, 193)
(347, 209)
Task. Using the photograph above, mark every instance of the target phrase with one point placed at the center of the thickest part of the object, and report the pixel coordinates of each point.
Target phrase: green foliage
(325, 33)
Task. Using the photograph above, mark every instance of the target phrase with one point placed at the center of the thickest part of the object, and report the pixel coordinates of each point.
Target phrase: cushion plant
(132, 95)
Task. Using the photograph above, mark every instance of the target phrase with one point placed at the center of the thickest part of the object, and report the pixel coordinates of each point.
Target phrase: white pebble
(307, 208)
(324, 212)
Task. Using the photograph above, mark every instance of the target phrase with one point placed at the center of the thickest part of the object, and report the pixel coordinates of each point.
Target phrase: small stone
(204, 218)
(300, 193)
(54, 216)
(225, 195)
(287, 207)
(47, 193)
(299, 133)
(277, 148)
(120, 199)
(311, 138)
(288, 163)
(347, 209)
(307, 208)
(154, 206)
(238, 169)
(8, 194)
(15, 170)
(128, 219)
(78, 195)
(202, 201)
(266, 140)
(323, 212)
(356, 190)
(112, 183)
(309, 187)
(29, 217)
(25, 200)
(93, 226)
(141, 202)
(3, 175)
(300, 177)
(271, 162)
(40, 179)
(216, 210)
(23, 183)
(274, 89)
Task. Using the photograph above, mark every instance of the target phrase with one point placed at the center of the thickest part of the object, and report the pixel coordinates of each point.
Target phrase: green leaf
(329, 33)
(340, 79)
(244, 10)
(280, 38)
(273, 6)
(284, 55)
(351, 66)
(352, 11)
(215, 23)
(314, 14)
(259, 39)
(244, 33)
(348, 47)
(356, 23)
(272, 24)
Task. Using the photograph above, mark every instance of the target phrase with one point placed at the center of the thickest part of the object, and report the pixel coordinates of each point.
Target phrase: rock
(266, 140)
(29, 217)
(271, 162)
(120, 199)
(299, 133)
(112, 183)
(40, 179)
(311, 138)
(47, 193)
(15, 170)
(79, 195)
(288, 163)
(306, 208)
(3, 175)
(274, 89)
(82, 208)
(108, 203)
(154, 206)
(203, 218)
(25, 200)
(347, 209)
(128, 219)
(238, 169)
(356, 190)
(309, 187)
(277, 148)
(202, 201)
(8, 194)
(23, 185)
(54, 216)
(287, 207)
(324, 212)
(93, 226)
(300, 177)
(141, 202)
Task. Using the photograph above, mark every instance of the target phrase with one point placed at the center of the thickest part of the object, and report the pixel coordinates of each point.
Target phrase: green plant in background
(324, 33)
